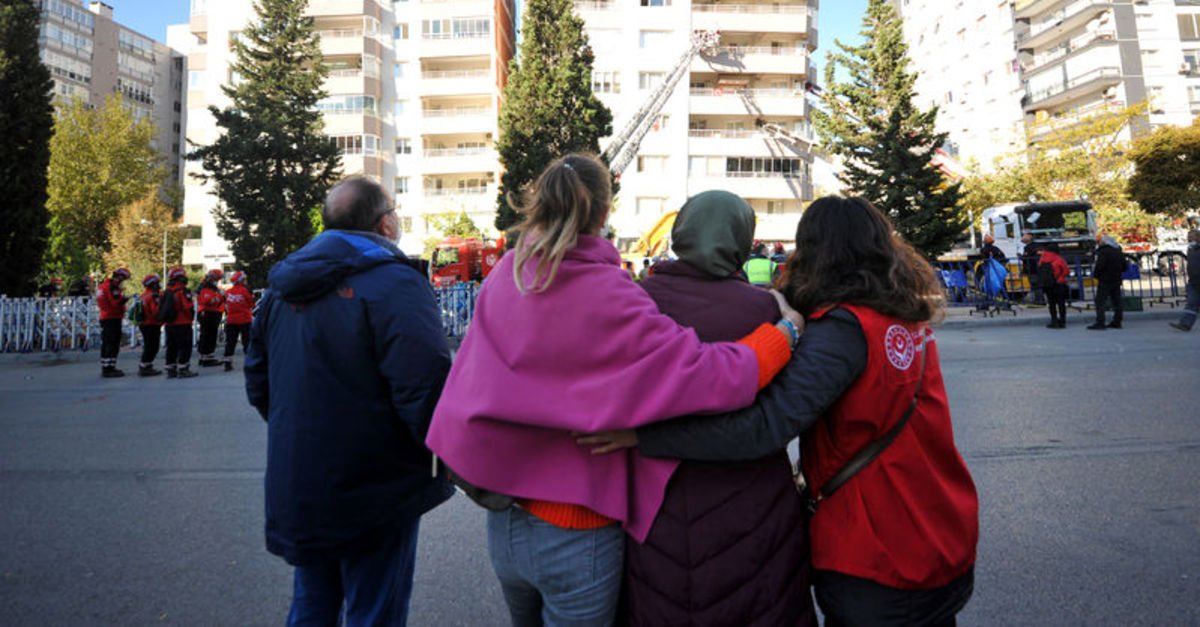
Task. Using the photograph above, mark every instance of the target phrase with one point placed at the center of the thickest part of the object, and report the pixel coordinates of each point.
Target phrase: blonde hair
(571, 196)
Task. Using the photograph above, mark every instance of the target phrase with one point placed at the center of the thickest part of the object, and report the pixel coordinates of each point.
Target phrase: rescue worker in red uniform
(239, 308)
(177, 312)
(1053, 273)
(111, 299)
(150, 325)
(210, 302)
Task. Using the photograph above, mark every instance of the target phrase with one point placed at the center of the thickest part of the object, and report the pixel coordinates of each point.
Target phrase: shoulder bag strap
(872, 450)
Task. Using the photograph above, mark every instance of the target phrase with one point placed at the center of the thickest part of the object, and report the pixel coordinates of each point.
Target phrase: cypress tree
(887, 143)
(272, 166)
(549, 109)
(26, 123)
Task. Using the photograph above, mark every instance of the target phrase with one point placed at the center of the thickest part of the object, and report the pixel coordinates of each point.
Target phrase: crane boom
(624, 145)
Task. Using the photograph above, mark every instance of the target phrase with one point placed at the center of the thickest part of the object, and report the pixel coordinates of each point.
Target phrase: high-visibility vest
(759, 271)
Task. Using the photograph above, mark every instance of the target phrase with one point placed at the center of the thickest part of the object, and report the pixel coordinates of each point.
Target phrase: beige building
(710, 134)
(91, 57)
(413, 95)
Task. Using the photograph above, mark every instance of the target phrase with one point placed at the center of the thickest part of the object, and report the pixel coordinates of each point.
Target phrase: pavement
(139, 501)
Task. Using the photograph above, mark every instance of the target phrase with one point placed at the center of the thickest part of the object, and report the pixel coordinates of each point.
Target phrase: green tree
(272, 166)
(1166, 179)
(451, 225)
(100, 161)
(548, 109)
(26, 123)
(887, 143)
(137, 236)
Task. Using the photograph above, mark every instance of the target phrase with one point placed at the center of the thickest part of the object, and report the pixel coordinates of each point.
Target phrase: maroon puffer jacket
(729, 546)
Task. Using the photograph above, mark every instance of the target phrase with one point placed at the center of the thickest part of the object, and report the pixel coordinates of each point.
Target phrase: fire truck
(457, 260)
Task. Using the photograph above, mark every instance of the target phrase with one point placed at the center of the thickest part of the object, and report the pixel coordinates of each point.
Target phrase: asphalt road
(139, 502)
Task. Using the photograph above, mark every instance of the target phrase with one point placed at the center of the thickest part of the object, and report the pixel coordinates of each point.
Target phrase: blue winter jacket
(346, 361)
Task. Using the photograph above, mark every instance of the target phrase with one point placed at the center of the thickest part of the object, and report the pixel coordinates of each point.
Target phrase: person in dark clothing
(896, 544)
(1188, 319)
(210, 306)
(347, 359)
(111, 299)
(82, 287)
(51, 289)
(1052, 275)
(709, 507)
(177, 312)
(1110, 265)
(991, 251)
(1029, 265)
(150, 325)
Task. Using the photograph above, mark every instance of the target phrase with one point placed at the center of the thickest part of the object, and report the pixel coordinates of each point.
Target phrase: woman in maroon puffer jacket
(729, 546)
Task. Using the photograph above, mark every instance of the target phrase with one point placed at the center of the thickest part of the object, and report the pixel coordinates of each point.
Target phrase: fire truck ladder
(624, 145)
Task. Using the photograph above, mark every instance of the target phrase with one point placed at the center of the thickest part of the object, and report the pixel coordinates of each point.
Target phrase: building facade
(413, 97)
(91, 57)
(710, 134)
(1008, 75)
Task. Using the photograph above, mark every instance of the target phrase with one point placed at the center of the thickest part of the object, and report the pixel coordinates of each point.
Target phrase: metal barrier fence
(31, 325)
(965, 284)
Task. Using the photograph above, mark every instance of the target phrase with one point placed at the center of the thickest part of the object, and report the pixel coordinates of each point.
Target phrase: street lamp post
(145, 222)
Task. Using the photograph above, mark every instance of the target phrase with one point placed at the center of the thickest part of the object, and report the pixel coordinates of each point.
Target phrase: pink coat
(589, 354)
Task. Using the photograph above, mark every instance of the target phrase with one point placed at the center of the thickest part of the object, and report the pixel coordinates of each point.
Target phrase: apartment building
(710, 134)
(1074, 59)
(413, 96)
(91, 57)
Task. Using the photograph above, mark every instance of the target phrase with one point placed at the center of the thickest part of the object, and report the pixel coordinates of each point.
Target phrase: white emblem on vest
(900, 346)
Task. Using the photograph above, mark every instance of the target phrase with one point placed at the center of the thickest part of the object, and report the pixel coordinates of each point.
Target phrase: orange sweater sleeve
(773, 349)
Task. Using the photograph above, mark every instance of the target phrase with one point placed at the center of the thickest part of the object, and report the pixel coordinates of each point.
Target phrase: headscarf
(713, 232)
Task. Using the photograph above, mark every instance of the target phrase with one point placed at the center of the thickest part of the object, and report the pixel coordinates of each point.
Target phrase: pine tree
(272, 166)
(549, 109)
(887, 143)
(26, 123)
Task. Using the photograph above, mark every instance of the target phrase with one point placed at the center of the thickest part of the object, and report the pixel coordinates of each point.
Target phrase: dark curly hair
(848, 253)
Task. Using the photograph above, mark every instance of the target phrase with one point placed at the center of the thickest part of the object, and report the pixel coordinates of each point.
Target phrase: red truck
(460, 260)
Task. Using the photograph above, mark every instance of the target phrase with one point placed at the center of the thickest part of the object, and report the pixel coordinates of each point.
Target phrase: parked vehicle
(457, 260)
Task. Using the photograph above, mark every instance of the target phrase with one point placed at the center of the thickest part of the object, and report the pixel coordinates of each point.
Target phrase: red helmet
(150, 279)
(237, 277)
(122, 273)
(176, 274)
(215, 274)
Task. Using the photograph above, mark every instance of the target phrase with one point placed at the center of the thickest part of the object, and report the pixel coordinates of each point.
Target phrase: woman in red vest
(894, 543)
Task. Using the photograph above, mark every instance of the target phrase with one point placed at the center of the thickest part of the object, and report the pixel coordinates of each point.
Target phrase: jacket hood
(713, 232)
(1107, 240)
(324, 262)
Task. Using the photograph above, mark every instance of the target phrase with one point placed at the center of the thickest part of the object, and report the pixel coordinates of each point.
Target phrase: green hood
(713, 232)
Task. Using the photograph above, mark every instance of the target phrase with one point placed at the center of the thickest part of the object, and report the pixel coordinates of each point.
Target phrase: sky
(838, 19)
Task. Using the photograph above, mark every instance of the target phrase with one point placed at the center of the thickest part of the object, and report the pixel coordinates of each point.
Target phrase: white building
(413, 100)
(1074, 58)
(91, 57)
(708, 135)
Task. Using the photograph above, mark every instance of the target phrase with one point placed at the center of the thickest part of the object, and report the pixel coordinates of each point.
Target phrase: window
(652, 164)
(347, 104)
(1189, 26)
(606, 83)
(348, 144)
(764, 167)
(403, 146)
(400, 32)
(656, 3)
(652, 38)
(660, 122)
(195, 79)
(650, 80)
(456, 28)
(401, 184)
(234, 78)
(398, 108)
(398, 70)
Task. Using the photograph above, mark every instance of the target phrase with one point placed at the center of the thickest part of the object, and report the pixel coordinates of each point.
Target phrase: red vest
(239, 305)
(909, 519)
(184, 310)
(150, 309)
(111, 300)
(210, 298)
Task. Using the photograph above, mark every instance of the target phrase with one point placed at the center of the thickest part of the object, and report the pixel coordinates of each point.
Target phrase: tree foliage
(100, 161)
(548, 109)
(887, 143)
(137, 237)
(26, 120)
(272, 166)
(1166, 179)
(451, 225)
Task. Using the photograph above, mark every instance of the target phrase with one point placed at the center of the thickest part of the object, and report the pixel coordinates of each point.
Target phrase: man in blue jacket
(346, 361)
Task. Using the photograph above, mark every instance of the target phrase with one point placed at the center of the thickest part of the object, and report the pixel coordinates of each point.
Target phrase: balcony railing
(723, 134)
(341, 33)
(1086, 77)
(595, 5)
(776, 51)
(1060, 16)
(762, 175)
(1076, 116)
(346, 73)
(753, 92)
(786, 9)
(446, 36)
(457, 152)
(1074, 45)
(456, 112)
(454, 74)
(457, 191)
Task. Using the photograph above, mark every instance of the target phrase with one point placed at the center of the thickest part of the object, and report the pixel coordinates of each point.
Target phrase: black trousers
(1112, 293)
(232, 332)
(179, 345)
(210, 323)
(110, 342)
(1056, 298)
(851, 601)
(151, 337)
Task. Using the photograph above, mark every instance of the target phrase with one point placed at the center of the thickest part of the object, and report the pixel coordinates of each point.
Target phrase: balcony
(1071, 89)
(481, 199)
(748, 101)
(754, 59)
(600, 13)
(752, 143)
(458, 120)
(456, 45)
(1070, 18)
(767, 185)
(342, 41)
(752, 18)
(1079, 44)
(456, 82)
(460, 160)
(1028, 8)
(332, 8)
(1040, 129)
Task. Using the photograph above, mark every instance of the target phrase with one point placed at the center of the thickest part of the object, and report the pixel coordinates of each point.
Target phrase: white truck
(1071, 224)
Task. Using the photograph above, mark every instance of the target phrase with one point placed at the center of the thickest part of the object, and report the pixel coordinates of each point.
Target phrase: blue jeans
(556, 577)
(375, 584)
(1192, 307)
